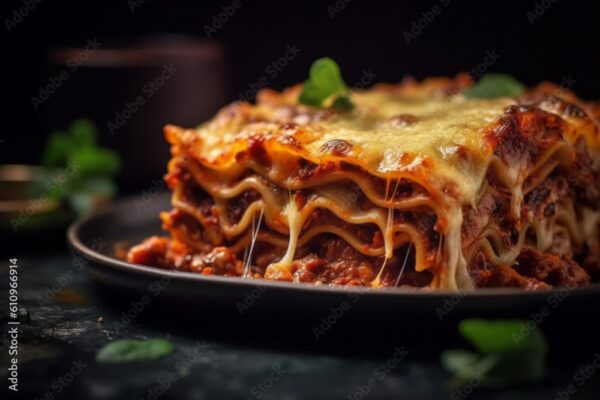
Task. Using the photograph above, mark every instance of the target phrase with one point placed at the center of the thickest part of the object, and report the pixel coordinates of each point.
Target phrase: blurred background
(132, 66)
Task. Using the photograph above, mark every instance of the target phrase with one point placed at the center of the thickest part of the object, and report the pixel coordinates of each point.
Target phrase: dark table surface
(71, 317)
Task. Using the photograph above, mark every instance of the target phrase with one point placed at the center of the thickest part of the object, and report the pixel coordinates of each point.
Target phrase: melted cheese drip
(453, 251)
(403, 264)
(295, 221)
(254, 233)
(388, 234)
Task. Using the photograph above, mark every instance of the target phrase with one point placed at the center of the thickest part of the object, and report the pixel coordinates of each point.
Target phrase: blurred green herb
(88, 168)
(508, 352)
(325, 82)
(495, 85)
(132, 350)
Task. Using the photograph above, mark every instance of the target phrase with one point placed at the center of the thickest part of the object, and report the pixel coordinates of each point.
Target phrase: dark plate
(312, 309)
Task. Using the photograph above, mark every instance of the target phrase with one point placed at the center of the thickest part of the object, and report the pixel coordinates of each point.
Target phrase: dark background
(364, 35)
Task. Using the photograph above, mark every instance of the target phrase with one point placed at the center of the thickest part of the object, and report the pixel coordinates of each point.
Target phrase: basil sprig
(79, 145)
(325, 82)
(90, 167)
(495, 85)
(507, 353)
(132, 350)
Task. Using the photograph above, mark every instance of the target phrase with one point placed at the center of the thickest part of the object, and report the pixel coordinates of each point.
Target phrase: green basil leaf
(131, 350)
(501, 335)
(510, 351)
(324, 81)
(97, 185)
(83, 133)
(96, 161)
(343, 103)
(87, 184)
(495, 85)
(58, 151)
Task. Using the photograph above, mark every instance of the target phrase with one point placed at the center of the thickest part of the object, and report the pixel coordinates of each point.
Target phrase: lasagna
(416, 186)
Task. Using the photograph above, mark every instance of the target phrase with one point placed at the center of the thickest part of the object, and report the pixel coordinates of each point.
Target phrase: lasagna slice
(416, 186)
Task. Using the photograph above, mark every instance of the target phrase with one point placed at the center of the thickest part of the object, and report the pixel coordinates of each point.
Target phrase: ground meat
(543, 199)
(410, 279)
(306, 269)
(591, 261)
(267, 255)
(523, 134)
(220, 261)
(553, 269)
(152, 251)
(238, 206)
(400, 270)
(487, 275)
(533, 270)
(345, 265)
(306, 168)
(336, 263)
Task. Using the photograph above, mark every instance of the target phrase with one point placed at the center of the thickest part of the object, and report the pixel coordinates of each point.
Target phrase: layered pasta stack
(416, 186)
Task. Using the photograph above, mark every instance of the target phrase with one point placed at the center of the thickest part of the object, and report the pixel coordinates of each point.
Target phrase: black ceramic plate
(131, 220)
(319, 315)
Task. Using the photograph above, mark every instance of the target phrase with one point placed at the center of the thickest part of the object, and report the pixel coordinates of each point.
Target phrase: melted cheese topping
(442, 128)
(444, 145)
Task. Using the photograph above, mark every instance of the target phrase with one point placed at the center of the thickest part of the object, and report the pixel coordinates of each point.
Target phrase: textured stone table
(71, 318)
